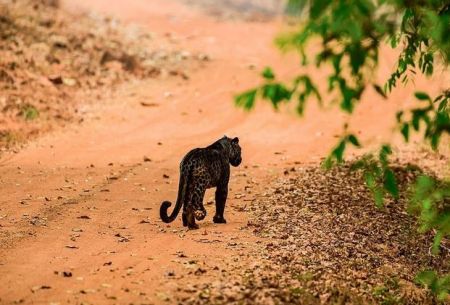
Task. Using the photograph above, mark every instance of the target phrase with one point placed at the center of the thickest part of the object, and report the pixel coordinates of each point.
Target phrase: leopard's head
(235, 152)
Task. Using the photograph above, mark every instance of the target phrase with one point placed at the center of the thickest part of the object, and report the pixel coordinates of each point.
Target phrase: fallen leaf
(145, 104)
(147, 159)
(199, 271)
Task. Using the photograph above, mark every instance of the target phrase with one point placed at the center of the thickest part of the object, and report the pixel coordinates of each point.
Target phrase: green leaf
(379, 197)
(357, 56)
(401, 66)
(437, 242)
(246, 99)
(379, 90)
(406, 16)
(443, 105)
(427, 278)
(416, 120)
(385, 151)
(405, 131)
(301, 103)
(435, 141)
(370, 180)
(394, 41)
(390, 183)
(338, 152)
(422, 96)
(327, 163)
(359, 164)
(347, 103)
(276, 93)
(440, 286)
(268, 73)
(317, 7)
(352, 139)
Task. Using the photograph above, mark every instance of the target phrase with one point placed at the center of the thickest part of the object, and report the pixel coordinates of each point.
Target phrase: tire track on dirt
(54, 211)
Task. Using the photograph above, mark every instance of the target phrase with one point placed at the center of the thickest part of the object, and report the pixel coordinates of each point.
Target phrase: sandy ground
(83, 201)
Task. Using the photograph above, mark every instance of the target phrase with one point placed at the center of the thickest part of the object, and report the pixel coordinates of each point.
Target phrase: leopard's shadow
(209, 224)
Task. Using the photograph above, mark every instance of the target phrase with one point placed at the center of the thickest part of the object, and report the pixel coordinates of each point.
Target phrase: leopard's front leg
(221, 198)
(184, 218)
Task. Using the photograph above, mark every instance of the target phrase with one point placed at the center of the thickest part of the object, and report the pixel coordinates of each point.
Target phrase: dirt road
(79, 208)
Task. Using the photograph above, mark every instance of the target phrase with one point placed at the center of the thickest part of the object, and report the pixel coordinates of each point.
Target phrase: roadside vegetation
(51, 62)
(350, 37)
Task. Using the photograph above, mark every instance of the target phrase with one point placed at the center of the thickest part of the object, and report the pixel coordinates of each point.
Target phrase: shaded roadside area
(325, 242)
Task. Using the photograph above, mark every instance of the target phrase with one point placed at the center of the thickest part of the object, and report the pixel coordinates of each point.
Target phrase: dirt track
(82, 200)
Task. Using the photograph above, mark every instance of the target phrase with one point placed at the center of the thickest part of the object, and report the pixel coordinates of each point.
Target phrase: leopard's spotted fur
(200, 169)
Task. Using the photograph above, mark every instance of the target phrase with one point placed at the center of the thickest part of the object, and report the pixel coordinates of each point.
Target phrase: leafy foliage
(246, 99)
(438, 285)
(337, 154)
(350, 34)
(379, 177)
(385, 293)
(277, 92)
(431, 201)
(434, 115)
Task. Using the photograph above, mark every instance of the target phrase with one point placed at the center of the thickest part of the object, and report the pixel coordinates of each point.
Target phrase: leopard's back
(205, 165)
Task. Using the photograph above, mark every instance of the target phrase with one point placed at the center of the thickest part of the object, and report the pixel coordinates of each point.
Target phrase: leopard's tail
(180, 200)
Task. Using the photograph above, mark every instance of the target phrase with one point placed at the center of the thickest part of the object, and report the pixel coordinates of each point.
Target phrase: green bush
(350, 34)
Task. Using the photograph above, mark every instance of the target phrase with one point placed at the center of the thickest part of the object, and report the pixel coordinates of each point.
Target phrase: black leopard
(200, 169)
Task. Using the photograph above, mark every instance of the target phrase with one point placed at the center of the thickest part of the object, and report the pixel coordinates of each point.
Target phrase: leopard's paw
(219, 219)
(193, 226)
(200, 214)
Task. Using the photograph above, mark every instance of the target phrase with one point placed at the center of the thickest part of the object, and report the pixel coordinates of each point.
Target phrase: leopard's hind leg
(191, 221)
(195, 210)
(197, 201)
(188, 221)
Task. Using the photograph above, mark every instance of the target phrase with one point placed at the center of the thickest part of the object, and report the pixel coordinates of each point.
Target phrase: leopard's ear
(235, 140)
